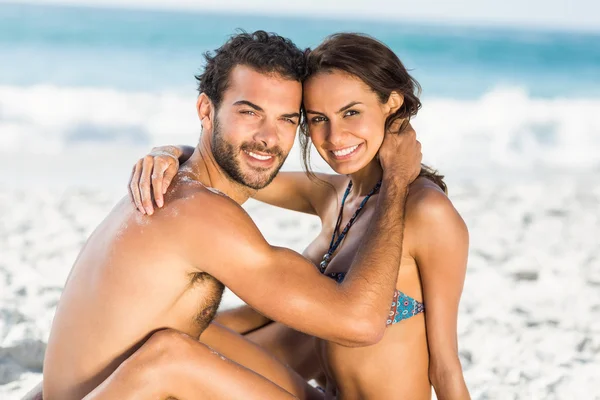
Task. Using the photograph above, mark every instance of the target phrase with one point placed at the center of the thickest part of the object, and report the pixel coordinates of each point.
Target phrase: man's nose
(267, 135)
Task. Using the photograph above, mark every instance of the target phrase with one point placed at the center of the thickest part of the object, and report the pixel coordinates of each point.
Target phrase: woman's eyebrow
(347, 106)
(352, 104)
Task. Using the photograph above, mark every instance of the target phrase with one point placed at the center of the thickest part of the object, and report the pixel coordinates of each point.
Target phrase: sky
(559, 14)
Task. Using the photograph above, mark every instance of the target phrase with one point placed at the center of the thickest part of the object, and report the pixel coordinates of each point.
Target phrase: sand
(529, 323)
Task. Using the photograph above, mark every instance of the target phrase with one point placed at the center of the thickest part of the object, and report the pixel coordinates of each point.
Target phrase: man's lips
(259, 156)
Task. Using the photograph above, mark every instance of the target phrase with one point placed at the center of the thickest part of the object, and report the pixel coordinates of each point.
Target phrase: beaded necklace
(336, 242)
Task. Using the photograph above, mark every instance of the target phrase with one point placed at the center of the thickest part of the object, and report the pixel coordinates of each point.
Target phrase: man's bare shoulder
(191, 210)
(200, 206)
(204, 216)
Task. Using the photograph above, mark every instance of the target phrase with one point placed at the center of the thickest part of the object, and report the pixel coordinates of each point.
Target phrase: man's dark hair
(262, 51)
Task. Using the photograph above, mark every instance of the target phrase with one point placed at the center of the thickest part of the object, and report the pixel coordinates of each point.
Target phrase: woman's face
(345, 118)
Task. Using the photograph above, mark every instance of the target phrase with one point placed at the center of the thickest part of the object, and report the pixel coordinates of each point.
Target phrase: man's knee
(166, 338)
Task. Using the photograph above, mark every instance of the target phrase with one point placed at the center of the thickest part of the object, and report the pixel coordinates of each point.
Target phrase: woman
(352, 79)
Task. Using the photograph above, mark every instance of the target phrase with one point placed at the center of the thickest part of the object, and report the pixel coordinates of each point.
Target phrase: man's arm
(286, 287)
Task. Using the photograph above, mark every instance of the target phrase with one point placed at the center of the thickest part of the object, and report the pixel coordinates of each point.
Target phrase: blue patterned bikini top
(403, 306)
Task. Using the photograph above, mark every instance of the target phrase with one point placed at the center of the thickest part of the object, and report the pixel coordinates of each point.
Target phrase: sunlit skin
(138, 275)
(258, 158)
(257, 121)
(343, 112)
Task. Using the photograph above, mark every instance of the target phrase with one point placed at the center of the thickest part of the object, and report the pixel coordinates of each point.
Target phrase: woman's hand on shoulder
(151, 176)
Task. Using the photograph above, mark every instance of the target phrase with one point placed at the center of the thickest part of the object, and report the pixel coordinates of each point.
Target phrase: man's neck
(203, 168)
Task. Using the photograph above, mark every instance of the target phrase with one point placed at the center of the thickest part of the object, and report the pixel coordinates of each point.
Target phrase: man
(144, 288)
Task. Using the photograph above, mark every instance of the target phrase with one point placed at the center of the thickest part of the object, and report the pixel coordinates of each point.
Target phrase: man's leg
(173, 365)
(290, 347)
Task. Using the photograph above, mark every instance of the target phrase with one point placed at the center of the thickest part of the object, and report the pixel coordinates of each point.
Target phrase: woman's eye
(316, 120)
(350, 113)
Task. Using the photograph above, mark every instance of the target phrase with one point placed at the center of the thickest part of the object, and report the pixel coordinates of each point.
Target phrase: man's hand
(152, 175)
(400, 154)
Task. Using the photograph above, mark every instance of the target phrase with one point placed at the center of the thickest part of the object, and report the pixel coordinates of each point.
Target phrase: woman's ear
(393, 103)
(204, 108)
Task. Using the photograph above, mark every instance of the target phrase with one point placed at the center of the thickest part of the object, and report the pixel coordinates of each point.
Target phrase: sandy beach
(529, 324)
(510, 116)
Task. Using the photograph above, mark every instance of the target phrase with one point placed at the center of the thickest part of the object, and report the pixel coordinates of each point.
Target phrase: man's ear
(205, 110)
(394, 102)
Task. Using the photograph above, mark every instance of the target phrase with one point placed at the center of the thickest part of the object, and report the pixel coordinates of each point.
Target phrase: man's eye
(350, 113)
(248, 112)
(291, 121)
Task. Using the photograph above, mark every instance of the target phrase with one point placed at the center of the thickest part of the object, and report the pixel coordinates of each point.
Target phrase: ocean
(510, 116)
(494, 99)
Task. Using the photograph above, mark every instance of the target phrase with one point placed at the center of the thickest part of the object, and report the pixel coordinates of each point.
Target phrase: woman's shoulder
(424, 194)
(429, 208)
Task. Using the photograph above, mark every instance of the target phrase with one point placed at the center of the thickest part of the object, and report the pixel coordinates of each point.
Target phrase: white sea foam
(505, 128)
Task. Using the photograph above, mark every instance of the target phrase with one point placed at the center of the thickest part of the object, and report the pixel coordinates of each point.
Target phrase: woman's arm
(295, 191)
(441, 244)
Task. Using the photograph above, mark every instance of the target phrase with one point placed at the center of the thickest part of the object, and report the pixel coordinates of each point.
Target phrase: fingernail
(149, 212)
(159, 202)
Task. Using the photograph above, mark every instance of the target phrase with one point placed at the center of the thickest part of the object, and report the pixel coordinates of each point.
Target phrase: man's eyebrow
(249, 104)
(292, 115)
(348, 106)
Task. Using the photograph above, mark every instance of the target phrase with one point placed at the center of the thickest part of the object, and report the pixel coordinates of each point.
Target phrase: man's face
(255, 126)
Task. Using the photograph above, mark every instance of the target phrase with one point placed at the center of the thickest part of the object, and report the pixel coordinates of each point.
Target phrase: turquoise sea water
(492, 97)
(145, 50)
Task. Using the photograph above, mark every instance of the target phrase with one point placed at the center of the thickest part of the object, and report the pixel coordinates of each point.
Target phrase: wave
(506, 127)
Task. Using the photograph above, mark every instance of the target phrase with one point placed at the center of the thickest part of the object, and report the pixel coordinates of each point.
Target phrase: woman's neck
(364, 180)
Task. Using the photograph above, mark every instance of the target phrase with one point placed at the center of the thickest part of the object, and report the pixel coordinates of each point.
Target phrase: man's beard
(228, 159)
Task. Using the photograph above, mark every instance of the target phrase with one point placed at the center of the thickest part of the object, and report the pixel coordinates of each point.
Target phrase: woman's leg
(293, 348)
(173, 365)
(257, 356)
(289, 346)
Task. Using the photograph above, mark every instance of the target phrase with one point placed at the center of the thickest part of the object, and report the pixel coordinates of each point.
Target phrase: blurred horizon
(105, 80)
(537, 15)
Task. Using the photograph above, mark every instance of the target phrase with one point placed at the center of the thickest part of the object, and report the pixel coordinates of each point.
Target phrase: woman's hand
(152, 175)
